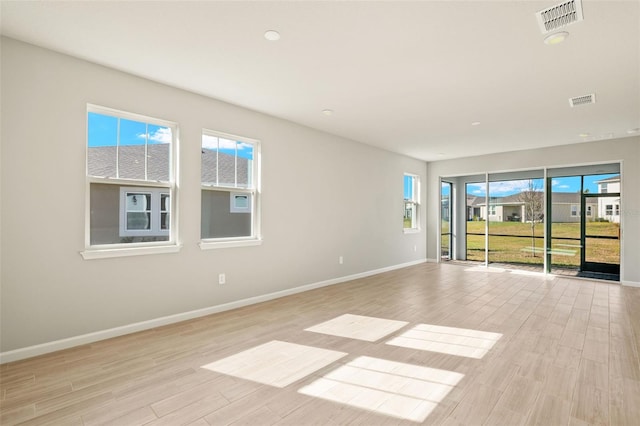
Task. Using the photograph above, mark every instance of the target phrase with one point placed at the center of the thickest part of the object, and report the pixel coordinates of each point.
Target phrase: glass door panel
(475, 238)
(445, 218)
(602, 233)
(516, 228)
(565, 242)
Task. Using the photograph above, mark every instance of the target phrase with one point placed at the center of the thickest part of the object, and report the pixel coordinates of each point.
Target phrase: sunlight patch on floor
(275, 363)
(400, 390)
(447, 340)
(358, 327)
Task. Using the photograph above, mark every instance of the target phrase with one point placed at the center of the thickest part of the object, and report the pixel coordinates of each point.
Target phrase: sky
(103, 131)
(559, 184)
(408, 187)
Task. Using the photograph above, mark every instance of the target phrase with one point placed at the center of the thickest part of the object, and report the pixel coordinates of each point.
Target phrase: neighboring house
(473, 207)
(124, 213)
(609, 207)
(565, 209)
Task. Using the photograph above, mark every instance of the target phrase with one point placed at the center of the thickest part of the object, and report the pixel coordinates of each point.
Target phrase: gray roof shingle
(130, 162)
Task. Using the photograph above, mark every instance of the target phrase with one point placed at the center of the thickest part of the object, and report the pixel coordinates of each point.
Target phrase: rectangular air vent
(560, 15)
(582, 100)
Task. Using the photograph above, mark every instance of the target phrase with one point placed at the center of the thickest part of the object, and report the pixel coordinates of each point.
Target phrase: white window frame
(414, 202)
(253, 192)
(100, 251)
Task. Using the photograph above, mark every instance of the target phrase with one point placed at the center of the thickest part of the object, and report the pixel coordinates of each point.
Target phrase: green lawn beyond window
(522, 249)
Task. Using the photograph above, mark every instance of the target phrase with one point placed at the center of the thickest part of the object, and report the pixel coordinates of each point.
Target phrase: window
(229, 190)
(411, 201)
(575, 211)
(144, 212)
(588, 210)
(608, 210)
(617, 210)
(131, 183)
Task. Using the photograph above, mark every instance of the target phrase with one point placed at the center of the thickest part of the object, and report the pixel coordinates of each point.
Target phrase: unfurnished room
(320, 212)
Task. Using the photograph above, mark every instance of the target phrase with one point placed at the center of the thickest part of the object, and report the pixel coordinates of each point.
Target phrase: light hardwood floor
(464, 346)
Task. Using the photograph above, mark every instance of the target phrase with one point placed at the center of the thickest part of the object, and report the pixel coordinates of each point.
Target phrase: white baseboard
(57, 345)
(630, 283)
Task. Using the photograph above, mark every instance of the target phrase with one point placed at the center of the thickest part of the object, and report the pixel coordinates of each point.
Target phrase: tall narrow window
(130, 178)
(229, 189)
(411, 202)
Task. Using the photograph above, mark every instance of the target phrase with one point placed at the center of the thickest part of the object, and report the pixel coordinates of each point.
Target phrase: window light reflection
(275, 363)
(358, 327)
(400, 390)
(447, 340)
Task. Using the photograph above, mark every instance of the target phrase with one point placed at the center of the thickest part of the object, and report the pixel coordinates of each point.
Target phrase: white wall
(323, 197)
(626, 150)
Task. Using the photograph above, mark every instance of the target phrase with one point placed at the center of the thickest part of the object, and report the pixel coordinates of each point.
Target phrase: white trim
(128, 251)
(630, 283)
(235, 242)
(35, 350)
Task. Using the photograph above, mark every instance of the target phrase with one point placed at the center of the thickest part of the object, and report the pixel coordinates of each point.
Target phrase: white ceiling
(409, 77)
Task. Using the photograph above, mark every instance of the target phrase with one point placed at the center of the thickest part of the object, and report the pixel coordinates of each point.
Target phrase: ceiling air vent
(582, 100)
(560, 15)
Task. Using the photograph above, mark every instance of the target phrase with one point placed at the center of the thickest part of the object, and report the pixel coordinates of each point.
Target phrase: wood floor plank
(550, 410)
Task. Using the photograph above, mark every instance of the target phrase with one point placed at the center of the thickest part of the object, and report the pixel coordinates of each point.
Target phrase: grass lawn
(524, 249)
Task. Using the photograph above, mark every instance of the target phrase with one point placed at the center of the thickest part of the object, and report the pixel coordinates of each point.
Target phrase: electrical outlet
(222, 278)
(341, 260)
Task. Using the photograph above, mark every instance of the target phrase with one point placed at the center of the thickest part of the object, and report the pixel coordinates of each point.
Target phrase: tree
(533, 200)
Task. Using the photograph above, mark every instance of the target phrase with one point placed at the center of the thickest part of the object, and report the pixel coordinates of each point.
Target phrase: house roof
(515, 199)
(611, 179)
(128, 162)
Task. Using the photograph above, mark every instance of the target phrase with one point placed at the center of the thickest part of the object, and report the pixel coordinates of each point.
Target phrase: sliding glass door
(515, 218)
(585, 225)
(568, 223)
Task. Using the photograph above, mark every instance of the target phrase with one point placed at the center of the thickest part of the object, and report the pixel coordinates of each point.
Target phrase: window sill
(411, 231)
(124, 252)
(211, 244)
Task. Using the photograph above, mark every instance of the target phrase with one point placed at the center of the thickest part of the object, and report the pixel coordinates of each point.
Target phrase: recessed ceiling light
(556, 38)
(584, 135)
(632, 131)
(272, 35)
(327, 111)
(475, 123)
